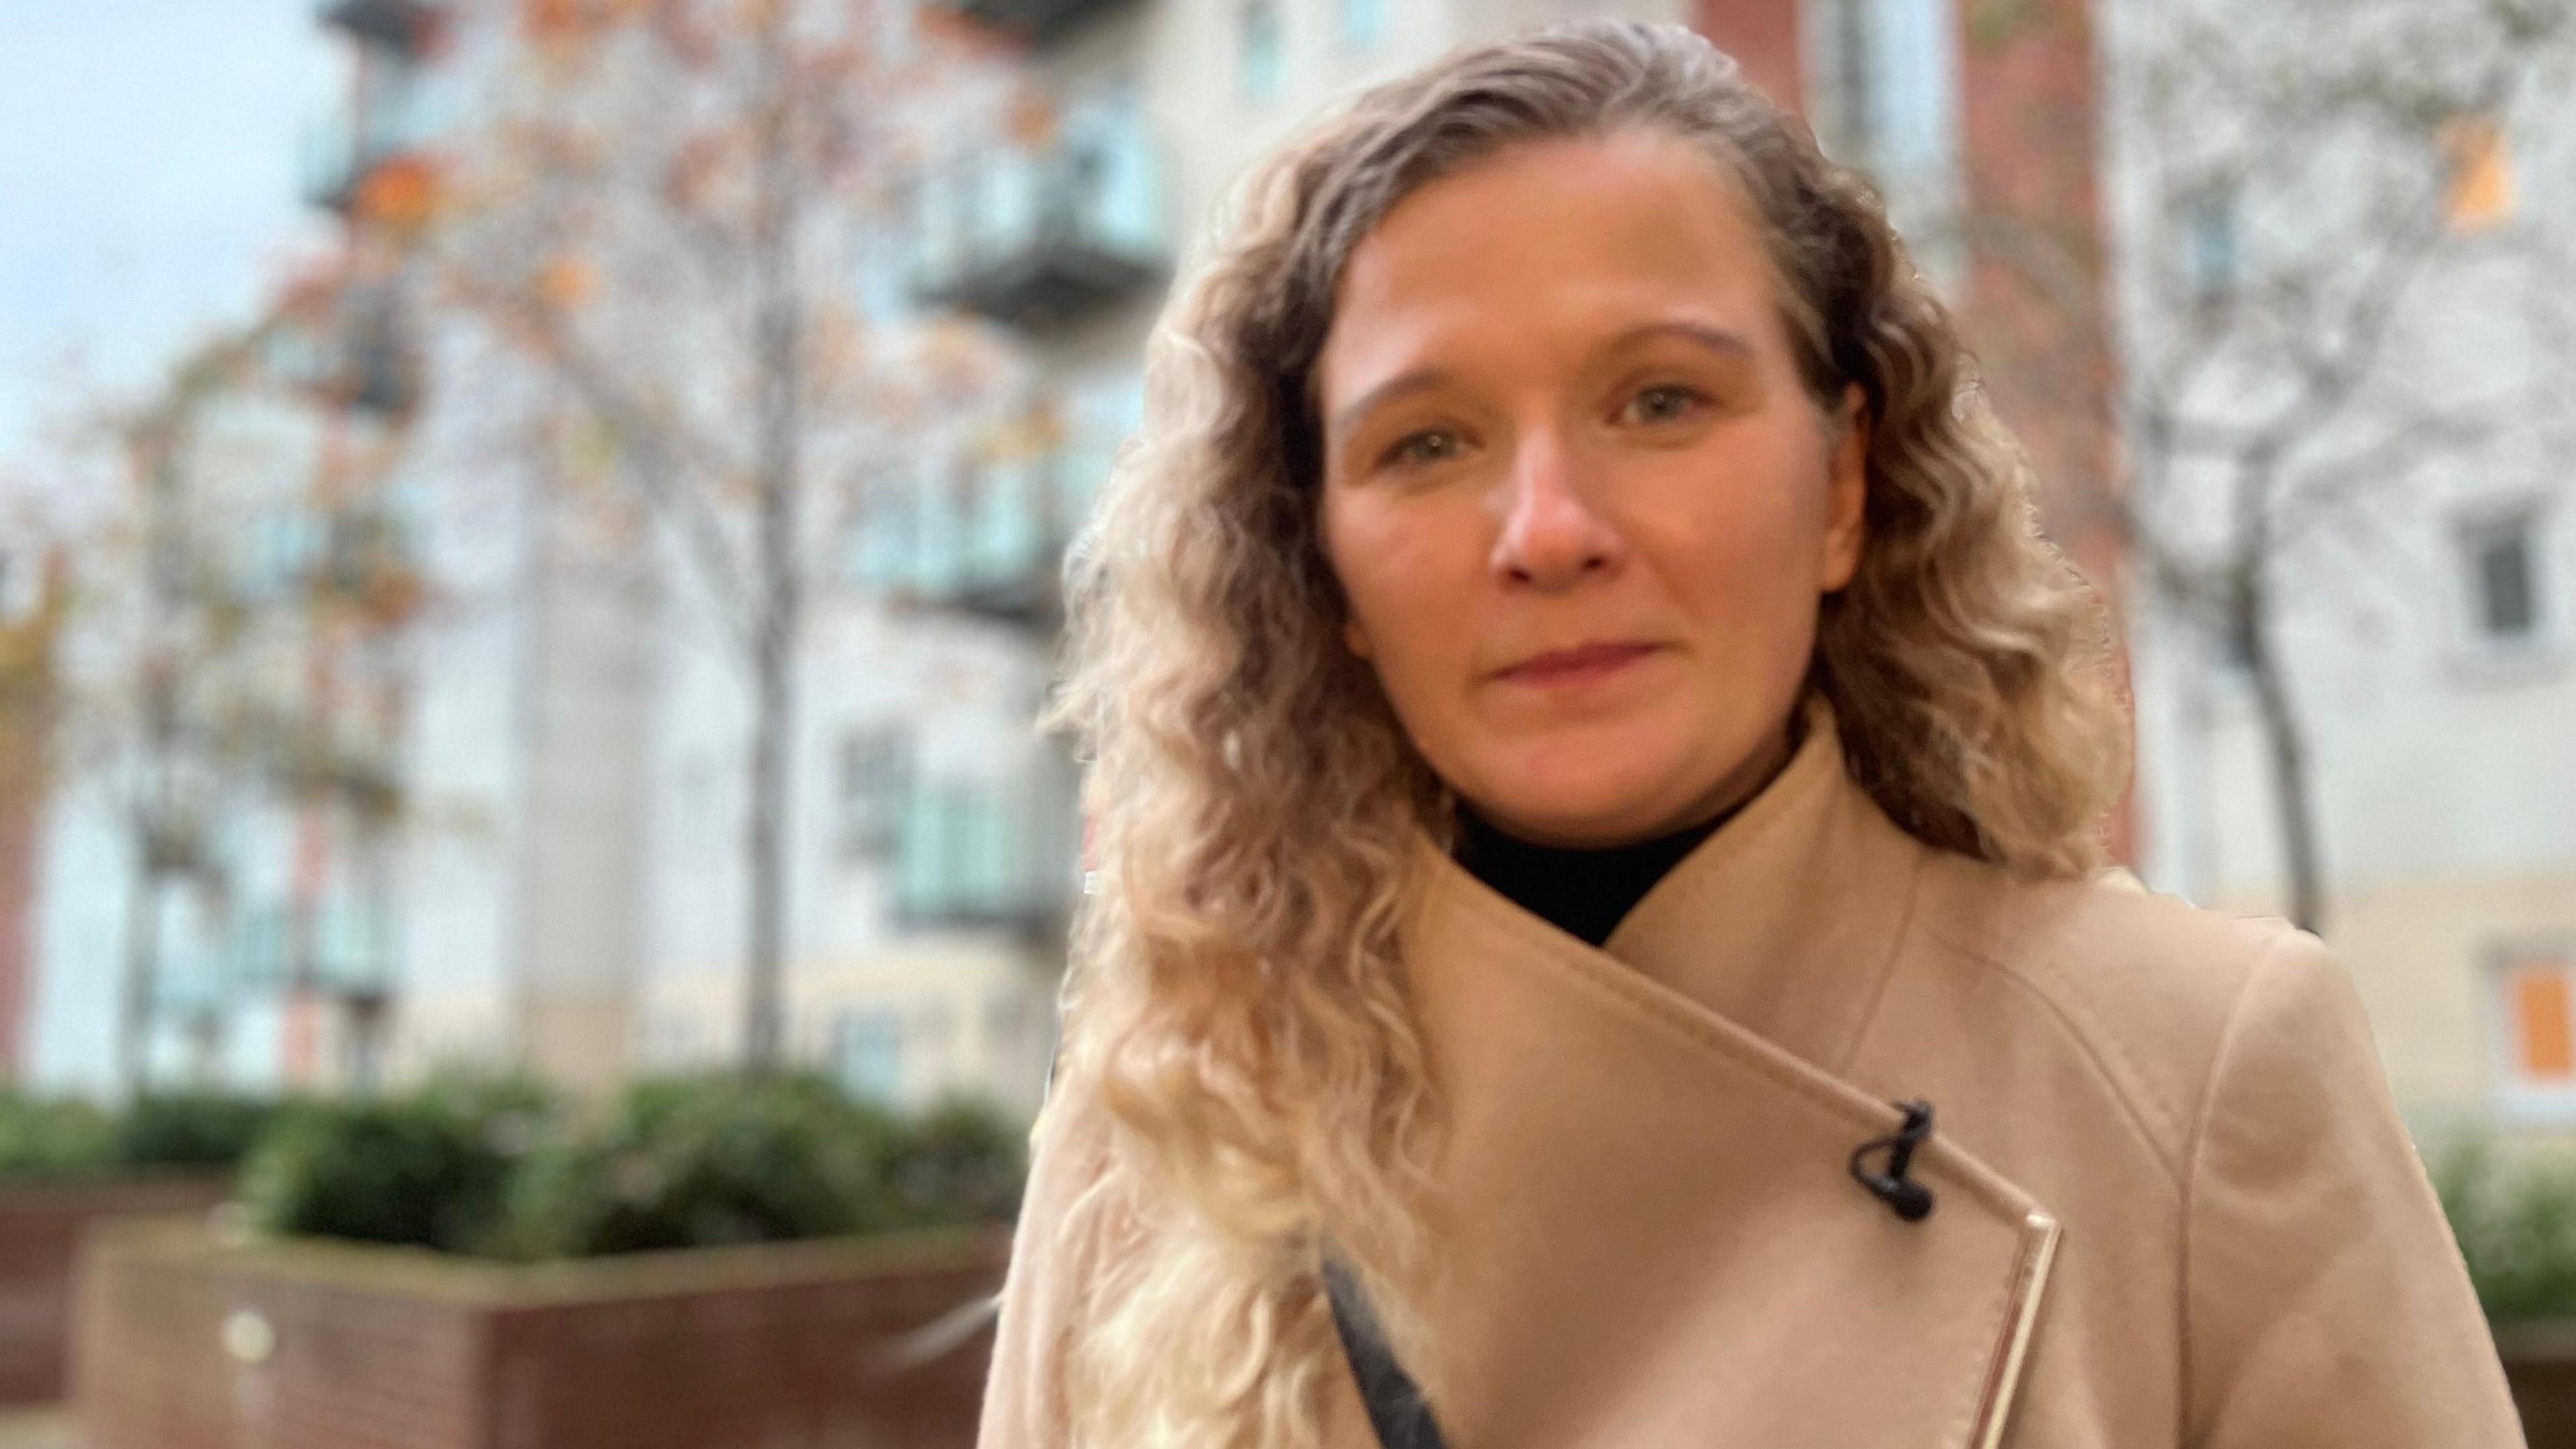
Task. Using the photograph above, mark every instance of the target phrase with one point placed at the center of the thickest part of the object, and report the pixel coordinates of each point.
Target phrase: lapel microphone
(1397, 1409)
(1907, 1198)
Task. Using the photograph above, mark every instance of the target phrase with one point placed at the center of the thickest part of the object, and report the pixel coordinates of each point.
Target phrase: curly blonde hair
(1235, 1029)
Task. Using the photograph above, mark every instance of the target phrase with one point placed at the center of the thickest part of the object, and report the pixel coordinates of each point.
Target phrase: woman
(1598, 936)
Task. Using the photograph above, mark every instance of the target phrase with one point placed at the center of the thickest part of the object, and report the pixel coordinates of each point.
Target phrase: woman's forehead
(1558, 244)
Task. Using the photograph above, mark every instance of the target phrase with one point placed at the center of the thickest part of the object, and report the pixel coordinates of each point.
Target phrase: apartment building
(936, 852)
(2416, 622)
(570, 888)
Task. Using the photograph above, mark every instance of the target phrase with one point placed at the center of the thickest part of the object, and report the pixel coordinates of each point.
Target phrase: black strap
(1396, 1408)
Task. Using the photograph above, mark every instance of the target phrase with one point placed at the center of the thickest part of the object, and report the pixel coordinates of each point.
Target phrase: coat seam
(2193, 1149)
(2100, 1048)
(1896, 939)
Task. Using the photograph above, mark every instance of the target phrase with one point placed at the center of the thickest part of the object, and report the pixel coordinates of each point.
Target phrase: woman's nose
(1551, 536)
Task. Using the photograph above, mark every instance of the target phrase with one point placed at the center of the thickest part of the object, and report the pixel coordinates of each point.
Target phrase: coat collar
(1655, 1236)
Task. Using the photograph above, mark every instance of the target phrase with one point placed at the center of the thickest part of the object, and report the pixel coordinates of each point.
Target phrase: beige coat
(2174, 1204)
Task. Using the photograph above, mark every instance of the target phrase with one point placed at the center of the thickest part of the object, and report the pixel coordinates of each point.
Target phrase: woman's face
(1580, 504)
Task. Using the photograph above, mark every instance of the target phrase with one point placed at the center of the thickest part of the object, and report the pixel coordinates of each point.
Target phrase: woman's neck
(1585, 891)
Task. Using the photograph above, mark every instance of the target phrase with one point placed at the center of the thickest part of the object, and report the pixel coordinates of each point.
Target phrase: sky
(148, 188)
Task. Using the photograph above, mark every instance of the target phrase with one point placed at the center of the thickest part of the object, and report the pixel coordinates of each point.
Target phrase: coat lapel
(1656, 1238)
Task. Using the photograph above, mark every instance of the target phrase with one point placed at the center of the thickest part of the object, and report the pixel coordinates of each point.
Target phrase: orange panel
(2540, 1012)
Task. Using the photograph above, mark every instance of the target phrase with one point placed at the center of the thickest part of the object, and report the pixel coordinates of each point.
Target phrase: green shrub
(961, 1162)
(702, 1161)
(2516, 1226)
(432, 1169)
(490, 1167)
(54, 1136)
(192, 1129)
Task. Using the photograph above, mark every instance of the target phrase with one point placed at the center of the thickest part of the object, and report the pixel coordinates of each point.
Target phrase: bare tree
(2298, 175)
(34, 599)
(669, 206)
(200, 692)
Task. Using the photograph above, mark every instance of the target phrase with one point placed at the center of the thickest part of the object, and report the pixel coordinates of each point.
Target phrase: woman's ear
(1355, 637)
(1847, 489)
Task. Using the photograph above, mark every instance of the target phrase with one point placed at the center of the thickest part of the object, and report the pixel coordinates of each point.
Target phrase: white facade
(894, 1006)
(571, 880)
(2425, 591)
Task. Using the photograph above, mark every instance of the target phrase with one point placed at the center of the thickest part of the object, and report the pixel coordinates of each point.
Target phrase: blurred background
(528, 548)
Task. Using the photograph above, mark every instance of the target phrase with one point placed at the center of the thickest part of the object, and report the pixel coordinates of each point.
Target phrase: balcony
(377, 373)
(1042, 236)
(997, 854)
(985, 538)
(406, 27)
(378, 173)
(339, 947)
(371, 157)
(1037, 21)
(355, 352)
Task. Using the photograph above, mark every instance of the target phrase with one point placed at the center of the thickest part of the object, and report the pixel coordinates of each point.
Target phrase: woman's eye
(1677, 400)
(1403, 452)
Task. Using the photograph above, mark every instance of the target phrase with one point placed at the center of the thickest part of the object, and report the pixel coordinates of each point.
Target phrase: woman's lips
(1579, 665)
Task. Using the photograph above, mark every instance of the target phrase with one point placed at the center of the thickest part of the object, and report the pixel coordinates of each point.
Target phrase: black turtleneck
(1583, 891)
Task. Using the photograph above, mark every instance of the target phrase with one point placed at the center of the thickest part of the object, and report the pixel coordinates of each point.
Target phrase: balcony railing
(377, 372)
(1037, 237)
(404, 26)
(1039, 21)
(985, 539)
(355, 353)
(392, 121)
(345, 950)
(988, 854)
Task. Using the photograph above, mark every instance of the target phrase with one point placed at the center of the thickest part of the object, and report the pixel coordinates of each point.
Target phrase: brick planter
(190, 1343)
(42, 1224)
(2540, 1363)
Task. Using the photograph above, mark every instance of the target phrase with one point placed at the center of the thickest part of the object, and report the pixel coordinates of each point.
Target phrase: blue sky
(148, 187)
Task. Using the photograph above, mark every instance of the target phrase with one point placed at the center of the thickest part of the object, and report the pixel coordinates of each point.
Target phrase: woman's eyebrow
(1396, 386)
(1732, 345)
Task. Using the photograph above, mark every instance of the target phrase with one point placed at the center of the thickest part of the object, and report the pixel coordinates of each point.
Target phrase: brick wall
(337, 1346)
(2540, 1364)
(41, 1228)
(1762, 35)
(2037, 309)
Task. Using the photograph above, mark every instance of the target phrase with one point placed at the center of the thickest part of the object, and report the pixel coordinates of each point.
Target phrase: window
(985, 853)
(2535, 999)
(2479, 193)
(881, 544)
(2504, 595)
(259, 946)
(277, 549)
(879, 281)
(1363, 23)
(958, 854)
(1262, 61)
(867, 1053)
(1885, 74)
(2234, 631)
(869, 779)
(1855, 91)
(2209, 248)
